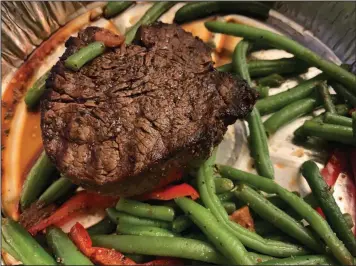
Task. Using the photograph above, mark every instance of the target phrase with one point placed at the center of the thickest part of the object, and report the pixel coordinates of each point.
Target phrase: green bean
(328, 204)
(247, 238)
(259, 145)
(37, 180)
(228, 245)
(278, 101)
(329, 132)
(192, 11)
(152, 14)
(261, 68)
(161, 246)
(239, 62)
(105, 226)
(318, 223)
(27, 249)
(64, 249)
(141, 230)
(301, 260)
(84, 55)
(223, 185)
(282, 42)
(181, 223)
(273, 80)
(325, 95)
(258, 258)
(335, 119)
(263, 91)
(115, 8)
(145, 210)
(277, 201)
(229, 206)
(8, 249)
(289, 113)
(34, 94)
(57, 189)
(117, 217)
(341, 109)
(264, 228)
(274, 215)
(227, 196)
(225, 68)
(344, 93)
(348, 219)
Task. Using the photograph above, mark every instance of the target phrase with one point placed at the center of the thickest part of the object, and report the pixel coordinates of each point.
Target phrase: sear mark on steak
(122, 122)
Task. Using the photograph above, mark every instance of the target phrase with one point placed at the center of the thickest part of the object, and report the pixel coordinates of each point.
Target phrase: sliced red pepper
(100, 256)
(171, 192)
(81, 239)
(173, 176)
(337, 163)
(105, 256)
(244, 218)
(82, 200)
(165, 261)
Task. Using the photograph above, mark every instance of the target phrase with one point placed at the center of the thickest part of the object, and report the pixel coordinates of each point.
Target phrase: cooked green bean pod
(145, 210)
(344, 93)
(227, 196)
(181, 223)
(39, 177)
(34, 94)
(114, 8)
(280, 100)
(195, 10)
(247, 238)
(280, 219)
(117, 217)
(84, 55)
(259, 145)
(348, 219)
(301, 260)
(105, 226)
(229, 206)
(325, 95)
(177, 247)
(223, 185)
(8, 249)
(273, 80)
(56, 190)
(141, 230)
(288, 114)
(318, 223)
(282, 42)
(329, 132)
(226, 243)
(27, 249)
(151, 15)
(263, 91)
(335, 119)
(64, 249)
(239, 62)
(321, 192)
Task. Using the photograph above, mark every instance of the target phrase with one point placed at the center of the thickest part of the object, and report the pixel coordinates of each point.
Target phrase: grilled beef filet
(131, 116)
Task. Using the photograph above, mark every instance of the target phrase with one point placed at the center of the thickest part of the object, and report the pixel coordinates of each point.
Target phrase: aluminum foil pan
(328, 28)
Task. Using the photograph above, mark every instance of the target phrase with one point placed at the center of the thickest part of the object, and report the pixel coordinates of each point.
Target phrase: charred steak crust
(125, 120)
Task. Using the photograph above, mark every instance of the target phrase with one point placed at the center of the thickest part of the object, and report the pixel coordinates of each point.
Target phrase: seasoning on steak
(122, 122)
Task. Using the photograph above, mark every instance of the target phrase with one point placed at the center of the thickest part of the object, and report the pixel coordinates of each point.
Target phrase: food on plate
(130, 127)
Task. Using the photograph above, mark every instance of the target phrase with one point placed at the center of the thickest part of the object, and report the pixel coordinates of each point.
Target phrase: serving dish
(22, 143)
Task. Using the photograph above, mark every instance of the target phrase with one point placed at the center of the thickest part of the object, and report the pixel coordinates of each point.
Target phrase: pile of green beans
(318, 224)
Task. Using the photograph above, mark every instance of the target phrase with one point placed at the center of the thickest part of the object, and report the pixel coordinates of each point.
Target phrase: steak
(129, 118)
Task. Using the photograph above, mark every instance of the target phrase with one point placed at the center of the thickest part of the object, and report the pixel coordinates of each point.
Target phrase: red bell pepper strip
(100, 256)
(173, 176)
(171, 192)
(337, 163)
(165, 261)
(82, 200)
(81, 239)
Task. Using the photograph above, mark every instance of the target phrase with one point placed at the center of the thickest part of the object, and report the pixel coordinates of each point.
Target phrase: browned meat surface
(124, 120)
